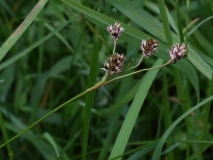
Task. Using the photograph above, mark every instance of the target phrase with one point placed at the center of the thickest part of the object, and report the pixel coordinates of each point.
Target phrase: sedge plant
(115, 69)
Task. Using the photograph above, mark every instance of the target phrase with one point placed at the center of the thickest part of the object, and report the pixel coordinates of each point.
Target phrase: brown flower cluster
(115, 30)
(177, 52)
(114, 63)
(149, 47)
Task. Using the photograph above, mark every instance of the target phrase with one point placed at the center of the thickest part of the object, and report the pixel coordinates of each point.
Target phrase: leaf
(21, 29)
(133, 112)
(159, 147)
(49, 138)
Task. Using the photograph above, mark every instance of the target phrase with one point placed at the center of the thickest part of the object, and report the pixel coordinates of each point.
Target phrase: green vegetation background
(49, 54)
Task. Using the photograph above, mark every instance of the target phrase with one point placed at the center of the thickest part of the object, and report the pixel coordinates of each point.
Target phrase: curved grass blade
(158, 150)
(21, 29)
(133, 112)
(198, 25)
(50, 139)
(30, 48)
(90, 96)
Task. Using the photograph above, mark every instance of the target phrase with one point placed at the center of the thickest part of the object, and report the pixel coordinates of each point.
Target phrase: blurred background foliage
(50, 63)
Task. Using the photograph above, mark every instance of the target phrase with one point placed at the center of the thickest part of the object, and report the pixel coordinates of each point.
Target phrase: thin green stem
(114, 46)
(148, 69)
(99, 84)
(138, 63)
(42, 118)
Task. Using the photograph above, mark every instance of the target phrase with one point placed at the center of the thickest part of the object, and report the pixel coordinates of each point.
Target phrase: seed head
(114, 63)
(149, 47)
(177, 52)
(115, 30)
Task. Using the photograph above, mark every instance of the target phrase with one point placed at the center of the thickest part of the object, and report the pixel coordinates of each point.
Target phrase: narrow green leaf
(49, 138)
(129, 122)
(30, 48)
(158, 150)
(21, 29)
(90, 96)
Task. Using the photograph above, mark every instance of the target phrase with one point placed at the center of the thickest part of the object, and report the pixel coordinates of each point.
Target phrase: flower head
(114, 63)
(149, 47)
(115, 30)
(177, 52)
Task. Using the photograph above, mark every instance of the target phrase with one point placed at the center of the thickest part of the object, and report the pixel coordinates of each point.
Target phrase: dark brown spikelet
(177, 52)
(115, 30)
(149, 47)
(114, 63)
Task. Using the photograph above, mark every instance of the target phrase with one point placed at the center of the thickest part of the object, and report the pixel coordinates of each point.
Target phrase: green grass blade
(158, 150)
(30, 48)
(133, 112)
(90, 96)
(198, 25)
(166, 26)
(21, 29)
(180, 28)
(50, 139)
(5, 135)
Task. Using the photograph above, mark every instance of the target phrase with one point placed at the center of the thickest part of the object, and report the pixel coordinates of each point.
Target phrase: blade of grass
(167, 112)
(157, 153)
(180, 28)
(30, 48)
(5, 135)
(198, 25)
(50, 139)
(133, 112)
(178, 81)
(124, 87)
(166, 26)
(21, 29)
(90, 96)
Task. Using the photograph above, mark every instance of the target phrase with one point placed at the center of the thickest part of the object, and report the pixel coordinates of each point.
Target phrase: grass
(50, 54)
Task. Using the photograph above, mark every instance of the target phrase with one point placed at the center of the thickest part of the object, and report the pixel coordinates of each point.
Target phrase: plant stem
(42, 118)
(148, 69)
(114, 46)
(99, 84)
(138, 63)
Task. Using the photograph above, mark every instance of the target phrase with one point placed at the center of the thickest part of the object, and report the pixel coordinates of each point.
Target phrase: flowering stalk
(142, 70)
(148, 47)
(114, 65)
(115, 31)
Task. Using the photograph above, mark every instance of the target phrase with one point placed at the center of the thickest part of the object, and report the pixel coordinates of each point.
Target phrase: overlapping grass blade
(21, 29)
(158, 150)
(90, 96)
(133, 112)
